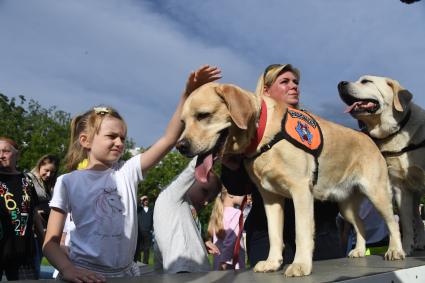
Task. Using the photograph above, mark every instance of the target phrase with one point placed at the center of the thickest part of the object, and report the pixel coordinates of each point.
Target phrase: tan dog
(221, 120)
(397, 125)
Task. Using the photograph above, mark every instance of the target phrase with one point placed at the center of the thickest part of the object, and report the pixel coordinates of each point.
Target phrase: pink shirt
(226, 245)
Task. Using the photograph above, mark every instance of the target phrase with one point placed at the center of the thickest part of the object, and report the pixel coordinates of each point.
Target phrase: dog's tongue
(203, 167)
(359, 104)
(351, 107)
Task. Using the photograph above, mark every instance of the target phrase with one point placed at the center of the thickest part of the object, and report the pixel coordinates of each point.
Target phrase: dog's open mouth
(205, 161)
(356, 106)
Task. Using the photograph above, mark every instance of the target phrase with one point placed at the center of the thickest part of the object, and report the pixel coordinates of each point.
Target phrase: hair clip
(102, 110)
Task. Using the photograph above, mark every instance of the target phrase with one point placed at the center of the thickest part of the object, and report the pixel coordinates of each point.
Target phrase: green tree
(36, 129)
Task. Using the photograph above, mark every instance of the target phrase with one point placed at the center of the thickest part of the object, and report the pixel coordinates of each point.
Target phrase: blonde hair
(270, 74)
(215, 225)
(88, 123)
(47, 159)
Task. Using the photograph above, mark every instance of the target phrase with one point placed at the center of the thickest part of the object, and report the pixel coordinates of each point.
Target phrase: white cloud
(136, 55)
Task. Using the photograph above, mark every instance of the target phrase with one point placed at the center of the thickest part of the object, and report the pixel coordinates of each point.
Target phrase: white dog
(397, 126)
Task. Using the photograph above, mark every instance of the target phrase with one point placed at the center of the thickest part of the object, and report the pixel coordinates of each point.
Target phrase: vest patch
(303, 131)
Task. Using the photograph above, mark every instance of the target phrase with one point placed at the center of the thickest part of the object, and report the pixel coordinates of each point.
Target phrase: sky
(136, 55)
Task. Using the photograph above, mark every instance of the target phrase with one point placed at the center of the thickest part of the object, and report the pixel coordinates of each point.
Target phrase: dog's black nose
(183, 146)
(342, 84)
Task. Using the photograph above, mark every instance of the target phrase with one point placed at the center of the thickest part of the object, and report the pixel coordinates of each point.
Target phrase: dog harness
(299, 128)
(405, 149)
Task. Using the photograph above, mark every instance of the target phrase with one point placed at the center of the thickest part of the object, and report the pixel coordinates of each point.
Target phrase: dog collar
(400, 127)
(261, 126)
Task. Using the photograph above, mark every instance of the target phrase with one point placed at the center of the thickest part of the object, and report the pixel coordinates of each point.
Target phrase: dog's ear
(238, 103)
(402, 96)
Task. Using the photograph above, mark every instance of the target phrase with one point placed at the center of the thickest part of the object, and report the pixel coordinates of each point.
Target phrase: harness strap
(410, 147)
(284, 135)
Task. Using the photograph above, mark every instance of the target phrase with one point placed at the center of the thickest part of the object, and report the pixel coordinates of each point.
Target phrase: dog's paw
(357, 253)
(268, 265)
(298, 269)
(394, 254)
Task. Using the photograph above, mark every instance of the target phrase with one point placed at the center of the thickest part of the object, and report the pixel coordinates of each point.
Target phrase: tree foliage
(37, 130)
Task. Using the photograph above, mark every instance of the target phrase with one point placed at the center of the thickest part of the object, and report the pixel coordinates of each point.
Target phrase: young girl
(103, 197)
(223, 228)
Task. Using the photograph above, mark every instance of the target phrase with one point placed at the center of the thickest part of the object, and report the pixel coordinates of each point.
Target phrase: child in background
(179, 244)
(223, 228)
(102, 197)
(65, 239)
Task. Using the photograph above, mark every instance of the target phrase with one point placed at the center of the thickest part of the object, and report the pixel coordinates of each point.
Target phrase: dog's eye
(365, 81)
(202, 116)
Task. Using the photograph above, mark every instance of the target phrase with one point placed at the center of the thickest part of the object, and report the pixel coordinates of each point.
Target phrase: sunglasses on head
(270, 67)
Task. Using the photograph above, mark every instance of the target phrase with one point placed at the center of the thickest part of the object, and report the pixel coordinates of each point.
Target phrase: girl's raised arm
(160, 148)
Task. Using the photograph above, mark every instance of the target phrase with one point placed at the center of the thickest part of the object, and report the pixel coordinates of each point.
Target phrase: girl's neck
(98, 166)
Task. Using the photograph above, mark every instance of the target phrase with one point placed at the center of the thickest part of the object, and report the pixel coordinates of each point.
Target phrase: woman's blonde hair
(270, 74)
(215, 225)
(88, 123)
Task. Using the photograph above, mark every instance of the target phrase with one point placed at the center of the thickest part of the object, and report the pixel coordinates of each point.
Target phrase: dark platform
(369, 269)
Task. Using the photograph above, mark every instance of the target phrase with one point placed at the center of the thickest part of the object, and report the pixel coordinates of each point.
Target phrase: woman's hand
(201, 76)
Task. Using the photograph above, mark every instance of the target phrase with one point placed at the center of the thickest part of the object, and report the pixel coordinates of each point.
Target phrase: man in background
(145, 225)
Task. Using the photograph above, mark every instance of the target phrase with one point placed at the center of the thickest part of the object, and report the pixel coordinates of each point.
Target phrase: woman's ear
(266, 91)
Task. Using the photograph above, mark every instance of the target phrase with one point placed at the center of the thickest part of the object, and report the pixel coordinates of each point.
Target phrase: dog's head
(217, 119)
(371, 95)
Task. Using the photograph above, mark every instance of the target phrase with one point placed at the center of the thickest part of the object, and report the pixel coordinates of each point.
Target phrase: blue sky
(136, 55)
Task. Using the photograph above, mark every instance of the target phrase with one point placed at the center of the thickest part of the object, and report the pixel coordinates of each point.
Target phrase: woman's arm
(159, 149)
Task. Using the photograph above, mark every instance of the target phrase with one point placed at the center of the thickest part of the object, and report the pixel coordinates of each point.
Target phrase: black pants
(144, 241)
(15, 271)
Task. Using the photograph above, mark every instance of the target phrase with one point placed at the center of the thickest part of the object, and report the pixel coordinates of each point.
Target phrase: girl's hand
(201, 76)
(212, 248)
(80, 275)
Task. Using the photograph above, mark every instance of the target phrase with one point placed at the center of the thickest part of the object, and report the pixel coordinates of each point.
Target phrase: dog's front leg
(274, 207)
(304, 233)
(404, 200)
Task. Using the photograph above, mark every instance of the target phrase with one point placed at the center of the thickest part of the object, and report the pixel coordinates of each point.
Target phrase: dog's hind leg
(349, 208)
(382, 200)
(304, 232)
(274, 207)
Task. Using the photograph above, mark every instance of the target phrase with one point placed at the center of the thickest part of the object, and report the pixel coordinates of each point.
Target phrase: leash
(237, 247)
(408, 148)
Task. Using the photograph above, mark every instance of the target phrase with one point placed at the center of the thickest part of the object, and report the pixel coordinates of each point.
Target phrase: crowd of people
(110, 229)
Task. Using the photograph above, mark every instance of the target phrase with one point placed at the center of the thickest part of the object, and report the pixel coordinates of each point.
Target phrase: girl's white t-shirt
(103, 205)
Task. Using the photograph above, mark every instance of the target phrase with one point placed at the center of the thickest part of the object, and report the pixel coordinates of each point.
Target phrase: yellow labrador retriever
(222, 120)
(397, 125)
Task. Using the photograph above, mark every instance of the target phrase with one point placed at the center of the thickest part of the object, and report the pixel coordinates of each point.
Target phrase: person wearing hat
(145, 227)
(18, 202)
(280, 82)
